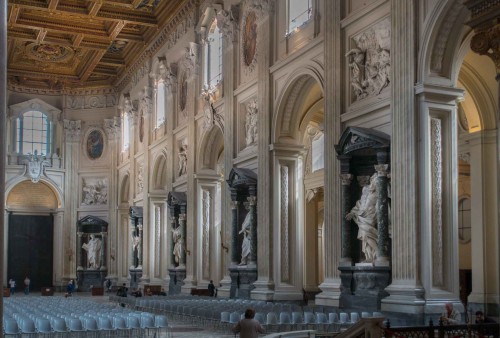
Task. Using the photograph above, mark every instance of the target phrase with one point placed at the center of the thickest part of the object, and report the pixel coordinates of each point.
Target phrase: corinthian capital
(487, 43)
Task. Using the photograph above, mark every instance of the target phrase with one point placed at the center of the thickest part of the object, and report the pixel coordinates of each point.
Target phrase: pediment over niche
(176, 198)
(242, 177)
(362, 141)
(92, 224)
(135, 211)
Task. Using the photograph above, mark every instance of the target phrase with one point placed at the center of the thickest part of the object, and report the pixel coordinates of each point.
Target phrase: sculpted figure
(183, 160)
(364, 214)
(245, 244)
(93, 248)
(357, 65)
(251, 123)
(177, 237)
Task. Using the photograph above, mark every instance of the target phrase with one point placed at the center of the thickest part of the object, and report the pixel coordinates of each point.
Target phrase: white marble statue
(177, 238)
(245, 244)
(364, 213)
(93, 248)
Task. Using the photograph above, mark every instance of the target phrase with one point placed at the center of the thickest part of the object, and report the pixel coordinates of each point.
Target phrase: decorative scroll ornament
(35, 166)
(72, 130)
(227, 21)
(488, 43)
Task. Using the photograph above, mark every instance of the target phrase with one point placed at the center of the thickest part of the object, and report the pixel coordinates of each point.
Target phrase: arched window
(464, 220)
(299, 12)
(126, 131)
(34, 133)
(213, 57)
(160, 104)
(318, 152)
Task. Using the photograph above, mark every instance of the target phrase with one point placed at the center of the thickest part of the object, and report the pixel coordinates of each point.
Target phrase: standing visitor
(27, 285)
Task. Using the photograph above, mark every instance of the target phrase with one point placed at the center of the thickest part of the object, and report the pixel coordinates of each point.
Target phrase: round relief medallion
(49, 53)
(249, 38)
(95, 144)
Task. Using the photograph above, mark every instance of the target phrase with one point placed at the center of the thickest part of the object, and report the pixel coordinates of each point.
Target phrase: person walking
(211, 288)
(12, 284)
(248, 327)
(27, 285)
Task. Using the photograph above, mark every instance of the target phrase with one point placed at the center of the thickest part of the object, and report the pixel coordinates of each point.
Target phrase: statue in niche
(135, 246)
(364, 213)
(93, 248)
(246, 242)
(177, 238)
(251, 123)
(183, 159)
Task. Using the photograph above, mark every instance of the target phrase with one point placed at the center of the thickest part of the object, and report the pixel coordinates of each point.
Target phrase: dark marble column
(252, 207)
(104, 240)
(346, 258)
(182, 224)
(79, 256)
(139, 245)
(234, 233)
(382, 216)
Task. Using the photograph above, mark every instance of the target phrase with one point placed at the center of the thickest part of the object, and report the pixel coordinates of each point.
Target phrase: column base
(242, 279)
(224, 290)
(330, 293)
(405, 304)
(176, 282)
(264, 290)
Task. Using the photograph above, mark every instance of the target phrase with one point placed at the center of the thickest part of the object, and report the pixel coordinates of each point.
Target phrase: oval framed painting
(95, 144)
(250, 38)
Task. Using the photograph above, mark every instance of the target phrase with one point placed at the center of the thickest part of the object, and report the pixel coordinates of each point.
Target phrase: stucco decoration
(129, 108)
(211, 114)
(190, 60)
(370, 60)
(140, 178)
(112, 127)
(72, 130)
(35, 166)
(227, 21)
(94, 191)
(251, 120)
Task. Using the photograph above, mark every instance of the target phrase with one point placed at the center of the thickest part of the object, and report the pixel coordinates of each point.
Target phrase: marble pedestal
(363, 287)
(135, 276)
(177, 276)
(242, 279)
(88, 278)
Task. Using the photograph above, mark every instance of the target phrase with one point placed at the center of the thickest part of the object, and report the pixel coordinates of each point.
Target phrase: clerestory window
(299, 12)
(34, 133)
(213, 57)
(160, 104)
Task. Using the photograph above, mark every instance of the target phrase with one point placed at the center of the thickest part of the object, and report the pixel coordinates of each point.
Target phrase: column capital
(486, 43)
(382, 169)
(252, 200)
(234, 204)
(346, 179)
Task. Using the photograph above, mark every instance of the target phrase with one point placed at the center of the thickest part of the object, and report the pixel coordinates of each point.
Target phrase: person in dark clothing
(211, 288)
(481, 318)
(248, 327)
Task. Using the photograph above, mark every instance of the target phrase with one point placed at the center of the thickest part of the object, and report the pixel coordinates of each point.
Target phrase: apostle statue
(177, 238)
(246, 242)
(364, 213)
(93, 248)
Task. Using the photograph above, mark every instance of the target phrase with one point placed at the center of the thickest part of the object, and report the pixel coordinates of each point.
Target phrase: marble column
(104, 241)
(79, 256)
(252, 203)
(234, 233)
(346, 258)
(140, 244)
(382, 216)
(182, 224)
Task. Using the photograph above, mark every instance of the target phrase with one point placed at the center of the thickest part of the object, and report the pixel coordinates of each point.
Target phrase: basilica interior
(338, 153)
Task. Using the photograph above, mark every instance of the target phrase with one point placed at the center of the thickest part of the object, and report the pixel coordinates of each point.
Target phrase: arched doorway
(30, 239)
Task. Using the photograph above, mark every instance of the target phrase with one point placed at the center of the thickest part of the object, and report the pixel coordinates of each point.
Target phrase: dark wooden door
(30, 248)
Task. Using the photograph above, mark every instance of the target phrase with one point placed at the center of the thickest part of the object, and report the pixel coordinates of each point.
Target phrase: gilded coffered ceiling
(59, 44)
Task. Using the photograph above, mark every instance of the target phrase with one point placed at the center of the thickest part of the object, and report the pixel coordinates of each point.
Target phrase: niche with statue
(91, 252)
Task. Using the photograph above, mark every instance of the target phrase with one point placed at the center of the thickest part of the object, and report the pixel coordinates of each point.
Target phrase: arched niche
(159, 177)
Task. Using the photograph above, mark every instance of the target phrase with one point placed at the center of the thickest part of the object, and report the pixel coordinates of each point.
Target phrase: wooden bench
(155, 289)
(200, 292)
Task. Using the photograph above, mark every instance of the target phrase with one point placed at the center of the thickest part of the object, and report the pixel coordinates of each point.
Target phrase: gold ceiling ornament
(49, 53)
(488, 43)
